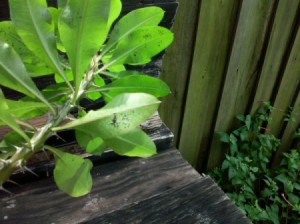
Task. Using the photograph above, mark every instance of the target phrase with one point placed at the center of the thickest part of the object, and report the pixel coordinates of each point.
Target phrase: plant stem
(37, 141)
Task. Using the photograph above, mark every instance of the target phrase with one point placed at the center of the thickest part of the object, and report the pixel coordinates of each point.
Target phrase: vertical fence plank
(287, 137)
(277, 46)
(215, 31)
(242, 69)
(288, 87)
(176, 64)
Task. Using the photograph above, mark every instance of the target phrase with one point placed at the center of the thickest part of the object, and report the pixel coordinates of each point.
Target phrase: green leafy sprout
(265, 194)
(71, 42)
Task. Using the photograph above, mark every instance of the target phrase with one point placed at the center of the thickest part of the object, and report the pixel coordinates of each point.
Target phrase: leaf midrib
(106, 115)
(41, 37)
(127, 33)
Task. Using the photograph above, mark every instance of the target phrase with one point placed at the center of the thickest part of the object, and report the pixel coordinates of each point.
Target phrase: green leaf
(34, 25)
(135, 84)
(141, 45)
(248, 121)
(26, 109)
(98, 81)
(8, 119)
(13, 74)
(149, 16)
(119, 116)
(133, 143)
(57, 93)
(224, 137)
(55, 15)
(90, 142)
(33, 64)
(83, 28)
(72, 173)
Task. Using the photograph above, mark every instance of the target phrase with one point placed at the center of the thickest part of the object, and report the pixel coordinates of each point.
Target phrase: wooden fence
(228, 56)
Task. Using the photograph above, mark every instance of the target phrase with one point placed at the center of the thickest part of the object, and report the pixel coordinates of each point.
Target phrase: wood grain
(214, 35)
(177, 63)
(242, 71)
(151, 187)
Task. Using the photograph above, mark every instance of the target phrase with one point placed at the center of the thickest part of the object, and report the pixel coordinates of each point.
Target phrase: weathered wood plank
(177, 62)
(288, 134)
(119, 186)
(198, 202)
(289, 87)
(277, 47)
(215, 33)
(242, 69)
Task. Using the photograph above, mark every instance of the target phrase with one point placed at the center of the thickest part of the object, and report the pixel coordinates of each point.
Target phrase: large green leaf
(83, 27)
(119, 116)
(135, 84)
(72, 173)
(34, 25)
(14, 75)
(25, 109)
(33, 64)
(149, 16)
(8, 119)
(134, 143)
(141, 45)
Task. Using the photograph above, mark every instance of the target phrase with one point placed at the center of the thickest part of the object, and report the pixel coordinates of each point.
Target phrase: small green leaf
(240, 117)
(8, 119)
(248, 121)
(55, 15)
(98, 81)
(133, 143)
(83, 28)
(72, 173)
(135, 84)
(224, 137)
(90, 142)
(34, 25)
(148, 16)
(119, 116)
(141, 45)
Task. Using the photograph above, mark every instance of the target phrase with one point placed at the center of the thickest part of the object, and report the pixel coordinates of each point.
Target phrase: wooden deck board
(161, 189)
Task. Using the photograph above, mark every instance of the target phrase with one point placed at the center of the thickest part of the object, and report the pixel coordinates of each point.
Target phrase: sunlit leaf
(34, 25)
(98, 81)
(83, 28)
(72, 173)
(134, 143)
(149, 16)
(55, 15)
(141, 45)
(119, 116)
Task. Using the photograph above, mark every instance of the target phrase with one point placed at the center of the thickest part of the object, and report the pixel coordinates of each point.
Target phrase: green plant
(265, 194)
(71, 42)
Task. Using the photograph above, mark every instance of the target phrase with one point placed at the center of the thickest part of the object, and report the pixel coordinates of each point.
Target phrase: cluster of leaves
(71, 42)
(265, 194)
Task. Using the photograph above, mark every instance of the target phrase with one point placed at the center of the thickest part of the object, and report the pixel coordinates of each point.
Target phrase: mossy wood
(256, 60)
